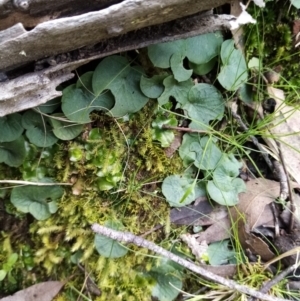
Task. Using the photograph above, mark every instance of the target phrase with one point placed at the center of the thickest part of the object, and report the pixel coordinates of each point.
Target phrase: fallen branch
(33, 89)
(66, 34)
(127, 237)
(268, 285)
(33, 183)
(292, 203)
(181, 129)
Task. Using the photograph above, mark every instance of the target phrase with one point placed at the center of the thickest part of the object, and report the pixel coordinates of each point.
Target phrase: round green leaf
(168, 282)
(180, 73)
(226, 198)
(42, 137)
(175, 189)
(188, 155)
(160, 54)
(208, 155)
(50, 106)
(152, 87)
(201, 49)
(65, 130)
(226, 171)
(204, 68)
(178, 90)
(219, 253)
(85, 81)
(205, 103)
(77, 103)
(38, 131)
(35, 199)
(234, 70)
(13, 153)
(108, 247)
(11, 127)
(114, 73)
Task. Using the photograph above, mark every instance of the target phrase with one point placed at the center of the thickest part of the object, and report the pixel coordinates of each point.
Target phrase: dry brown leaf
(286, 128)
(169, 151)
(44, 291)
(227, 271)
(217, 231)
(250, 213)
(189, 215)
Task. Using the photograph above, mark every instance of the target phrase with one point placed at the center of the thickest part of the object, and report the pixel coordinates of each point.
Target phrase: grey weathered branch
(33, 89)
(127, 237)
(67, 34)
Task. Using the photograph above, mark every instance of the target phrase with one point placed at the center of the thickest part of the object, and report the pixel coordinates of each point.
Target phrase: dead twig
(33, 183)
(280, 173)
(292, 203)
(178, 128)
(127, 237)
(268, 285)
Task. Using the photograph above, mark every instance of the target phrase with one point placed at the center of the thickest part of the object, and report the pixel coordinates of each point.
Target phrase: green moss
(124, 154)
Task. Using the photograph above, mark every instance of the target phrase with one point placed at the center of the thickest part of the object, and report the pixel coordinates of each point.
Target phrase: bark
(34, 62)
(67, 34)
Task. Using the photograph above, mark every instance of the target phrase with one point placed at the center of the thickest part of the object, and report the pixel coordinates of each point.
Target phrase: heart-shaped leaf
(38, 130)
(114, 73)
(219, 253)
(64, 130)
(202, 69)
(226, 171)
(234, 70)
(226, 198)
(78, 103)
(208, 154)
(188, 155)
(13, 153)
(168, 282)
(178, 90)
(205, 103)
(152, 87)
(11, 127)
(174, 188)
(35, 199)
(199, 50)
(108, 247)
(180, 73)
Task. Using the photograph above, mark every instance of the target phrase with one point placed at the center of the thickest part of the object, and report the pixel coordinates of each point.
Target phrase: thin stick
(267, 286)
(254, 139)
(33, 183)
(291, 198)
(127, 237)
(284, 187)
(177, 128)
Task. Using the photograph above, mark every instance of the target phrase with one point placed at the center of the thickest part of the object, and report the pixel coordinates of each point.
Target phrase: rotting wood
(67, 34)
(32, 12)
(33, 89)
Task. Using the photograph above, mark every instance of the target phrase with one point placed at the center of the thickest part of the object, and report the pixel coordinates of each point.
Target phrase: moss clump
(116, 169)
